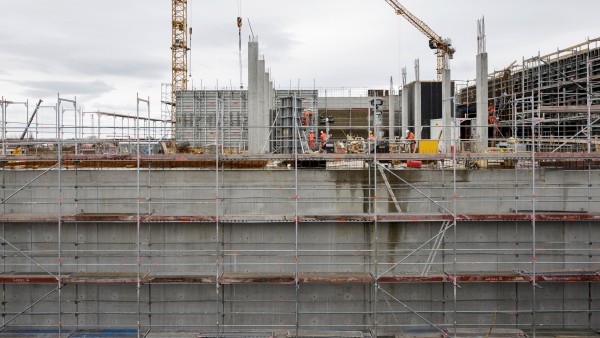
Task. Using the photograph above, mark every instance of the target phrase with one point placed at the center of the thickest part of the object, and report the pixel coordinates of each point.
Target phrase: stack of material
(356, 145)
(394, 147)
(341, 148)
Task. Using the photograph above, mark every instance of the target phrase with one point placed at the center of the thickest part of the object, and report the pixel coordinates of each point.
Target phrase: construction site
(433, 208)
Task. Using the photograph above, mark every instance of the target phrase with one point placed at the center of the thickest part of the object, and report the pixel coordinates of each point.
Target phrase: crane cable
(239, 25)
(189, 47)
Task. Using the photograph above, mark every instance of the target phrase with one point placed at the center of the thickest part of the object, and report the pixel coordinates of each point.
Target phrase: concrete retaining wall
(190, 248)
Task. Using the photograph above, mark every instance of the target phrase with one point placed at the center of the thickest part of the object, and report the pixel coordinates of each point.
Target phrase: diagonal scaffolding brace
(28, 183)
(444, 229)
(29, 258)
(435, 248)
(444, 333)
(389, 189)
(583, 130)
(416, 189)
(3, 327)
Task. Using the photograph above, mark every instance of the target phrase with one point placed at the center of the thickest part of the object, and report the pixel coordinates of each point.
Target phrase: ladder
(303, 139)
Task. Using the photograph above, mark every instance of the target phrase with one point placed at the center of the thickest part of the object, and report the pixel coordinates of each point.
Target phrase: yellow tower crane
(443, 46)
(179, 49)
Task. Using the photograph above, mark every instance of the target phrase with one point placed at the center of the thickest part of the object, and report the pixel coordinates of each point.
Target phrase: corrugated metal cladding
(197, 114)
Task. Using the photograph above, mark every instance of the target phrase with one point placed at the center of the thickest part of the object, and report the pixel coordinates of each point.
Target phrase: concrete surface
(269, 247)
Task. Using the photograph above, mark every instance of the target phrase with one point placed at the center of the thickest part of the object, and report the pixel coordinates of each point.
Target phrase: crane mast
(443, 46)
(179, 49)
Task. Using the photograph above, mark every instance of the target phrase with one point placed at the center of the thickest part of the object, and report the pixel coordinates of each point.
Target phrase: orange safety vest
(311, 136)
(411, 136)
(323, 136)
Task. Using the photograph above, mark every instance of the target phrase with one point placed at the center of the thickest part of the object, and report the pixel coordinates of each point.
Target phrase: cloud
(50, 88)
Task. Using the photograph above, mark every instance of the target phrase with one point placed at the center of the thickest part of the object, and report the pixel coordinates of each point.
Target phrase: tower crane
(443, 46)
(179, 50)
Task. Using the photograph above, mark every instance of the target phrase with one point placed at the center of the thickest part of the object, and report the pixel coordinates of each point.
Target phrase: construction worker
(371, 142)
(307, 117)
(323, 138)
(311, 140)
(496, 129)
(410, 136)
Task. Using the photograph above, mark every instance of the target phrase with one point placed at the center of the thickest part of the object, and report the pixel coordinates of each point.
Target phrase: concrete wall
(190, 248)
(271, 192)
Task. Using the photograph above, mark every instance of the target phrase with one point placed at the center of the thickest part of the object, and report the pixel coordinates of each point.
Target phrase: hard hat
(321, 132)
(407, 131)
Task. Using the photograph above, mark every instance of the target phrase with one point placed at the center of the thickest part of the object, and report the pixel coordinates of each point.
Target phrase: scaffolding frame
(562, 87)
(370, 268)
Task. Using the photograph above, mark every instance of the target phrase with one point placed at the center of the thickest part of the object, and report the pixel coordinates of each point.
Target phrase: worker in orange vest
(410, 136)
(323, 137)
(311, 140)
(307, 118)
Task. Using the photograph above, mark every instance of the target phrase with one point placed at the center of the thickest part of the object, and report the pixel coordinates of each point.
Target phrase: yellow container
(428, 146)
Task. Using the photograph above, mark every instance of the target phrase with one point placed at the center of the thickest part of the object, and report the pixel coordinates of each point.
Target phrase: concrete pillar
(481, 120)
(392, 110)
(266, 112)
(254, 146)
(271, 96)
(447, 110)
(404, 109)
(417, 112)
(263, 130)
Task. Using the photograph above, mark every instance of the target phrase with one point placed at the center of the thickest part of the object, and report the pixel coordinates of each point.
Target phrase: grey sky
(106, 51)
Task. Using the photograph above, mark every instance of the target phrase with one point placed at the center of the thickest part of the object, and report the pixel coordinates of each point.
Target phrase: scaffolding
(228, 244)
(558, 92)
(103, 230)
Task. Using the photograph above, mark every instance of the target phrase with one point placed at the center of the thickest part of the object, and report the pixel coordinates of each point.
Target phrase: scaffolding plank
(246, 161)
(179, 279)
(28, 218)
(257, 278)
(496, 277)
(92, 217)
(361, 218)
(36, 334)
(31, 278)
(335, 277)
(103, 277)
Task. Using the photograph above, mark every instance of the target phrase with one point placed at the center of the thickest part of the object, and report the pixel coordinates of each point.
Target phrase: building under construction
(307, 212)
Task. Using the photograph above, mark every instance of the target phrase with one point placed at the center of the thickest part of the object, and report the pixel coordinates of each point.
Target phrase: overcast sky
(104, 52)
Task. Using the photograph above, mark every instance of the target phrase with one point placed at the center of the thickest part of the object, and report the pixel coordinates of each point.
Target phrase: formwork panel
(199, 112)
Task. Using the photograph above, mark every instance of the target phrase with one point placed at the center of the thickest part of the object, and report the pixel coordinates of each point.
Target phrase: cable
(239, 24)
